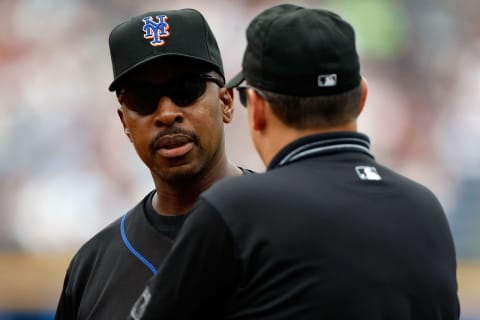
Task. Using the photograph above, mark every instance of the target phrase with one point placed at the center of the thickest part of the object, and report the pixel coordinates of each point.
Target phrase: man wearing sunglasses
(169, 80)
(326, 232)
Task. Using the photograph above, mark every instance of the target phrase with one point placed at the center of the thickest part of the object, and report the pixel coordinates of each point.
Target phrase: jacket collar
(319, 144)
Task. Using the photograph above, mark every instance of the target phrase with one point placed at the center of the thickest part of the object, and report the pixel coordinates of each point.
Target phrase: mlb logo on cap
(327, 80)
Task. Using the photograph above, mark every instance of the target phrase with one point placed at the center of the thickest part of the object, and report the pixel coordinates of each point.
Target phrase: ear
(121, 115)
(226, 99)
(364, 94)
(257, 108)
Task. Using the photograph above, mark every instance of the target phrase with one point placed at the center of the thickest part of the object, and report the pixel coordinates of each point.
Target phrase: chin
(178, 174)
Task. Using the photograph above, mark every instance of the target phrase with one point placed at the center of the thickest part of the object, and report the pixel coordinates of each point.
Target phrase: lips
(170, 141)
(172, 146)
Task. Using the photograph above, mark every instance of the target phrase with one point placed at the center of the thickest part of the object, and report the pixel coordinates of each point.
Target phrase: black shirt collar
(318, 144)
(169, 226)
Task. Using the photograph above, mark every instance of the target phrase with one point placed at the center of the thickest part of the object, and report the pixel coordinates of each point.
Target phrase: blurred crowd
(67, 170)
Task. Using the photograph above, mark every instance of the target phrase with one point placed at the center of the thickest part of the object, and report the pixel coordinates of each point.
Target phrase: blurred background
(67, 170)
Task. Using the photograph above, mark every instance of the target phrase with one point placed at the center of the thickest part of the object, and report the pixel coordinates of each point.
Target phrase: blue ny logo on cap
(155, 31)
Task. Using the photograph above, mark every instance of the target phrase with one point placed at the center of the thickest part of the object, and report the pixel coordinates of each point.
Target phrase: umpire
(326, 232)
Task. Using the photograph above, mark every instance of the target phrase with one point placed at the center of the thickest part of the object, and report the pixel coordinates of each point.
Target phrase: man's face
(177, 134)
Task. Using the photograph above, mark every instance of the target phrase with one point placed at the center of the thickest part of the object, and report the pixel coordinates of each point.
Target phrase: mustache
(172, 131)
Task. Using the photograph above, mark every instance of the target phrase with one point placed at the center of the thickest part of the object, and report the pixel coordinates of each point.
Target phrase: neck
(177, 198)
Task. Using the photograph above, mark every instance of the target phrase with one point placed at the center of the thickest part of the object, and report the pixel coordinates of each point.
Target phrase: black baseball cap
(157, 34)
(301, 52)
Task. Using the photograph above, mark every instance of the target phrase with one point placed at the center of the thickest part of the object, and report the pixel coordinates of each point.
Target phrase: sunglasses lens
(187, 91)
(142, 100)
(183, 92)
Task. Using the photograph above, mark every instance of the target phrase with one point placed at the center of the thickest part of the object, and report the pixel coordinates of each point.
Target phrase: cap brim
(113, 86)
(235, 81)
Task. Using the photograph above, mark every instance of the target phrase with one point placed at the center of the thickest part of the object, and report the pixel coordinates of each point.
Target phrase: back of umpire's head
(300, 66)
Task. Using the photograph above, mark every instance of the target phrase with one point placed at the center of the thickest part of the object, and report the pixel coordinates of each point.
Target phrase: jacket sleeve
(199, 275)
(65, 307)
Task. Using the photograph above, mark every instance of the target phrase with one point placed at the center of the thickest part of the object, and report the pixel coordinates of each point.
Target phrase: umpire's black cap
(302, 52)
(152, 35)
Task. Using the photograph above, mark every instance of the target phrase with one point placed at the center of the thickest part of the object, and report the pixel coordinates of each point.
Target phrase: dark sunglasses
(182, 91)
(242, 93)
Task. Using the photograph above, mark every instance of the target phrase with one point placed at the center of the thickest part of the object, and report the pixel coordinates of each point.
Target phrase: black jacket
(325, 233)
(109, 271)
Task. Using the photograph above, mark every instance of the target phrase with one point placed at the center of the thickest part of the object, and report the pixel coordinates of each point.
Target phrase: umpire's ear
(364, 94)
(256, 109)
(125, 127)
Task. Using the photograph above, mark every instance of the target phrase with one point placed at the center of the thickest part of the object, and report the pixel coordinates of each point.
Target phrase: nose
(167, 113)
